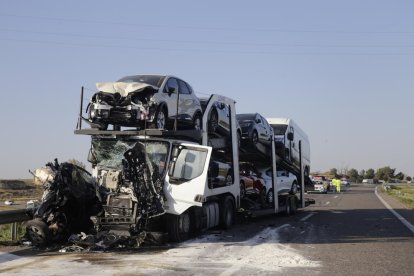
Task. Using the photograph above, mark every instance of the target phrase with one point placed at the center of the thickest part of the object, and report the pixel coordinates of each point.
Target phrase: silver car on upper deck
(144, 101)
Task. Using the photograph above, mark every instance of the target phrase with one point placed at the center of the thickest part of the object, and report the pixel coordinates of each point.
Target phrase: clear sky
(343, 70)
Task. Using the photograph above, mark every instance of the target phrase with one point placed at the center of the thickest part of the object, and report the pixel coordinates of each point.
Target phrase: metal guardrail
(13, 217)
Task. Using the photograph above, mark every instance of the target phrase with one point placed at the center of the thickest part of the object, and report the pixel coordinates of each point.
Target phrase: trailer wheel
(179, 227)
(293, 207)
(227, 214)
(288, 206)
(38, 232)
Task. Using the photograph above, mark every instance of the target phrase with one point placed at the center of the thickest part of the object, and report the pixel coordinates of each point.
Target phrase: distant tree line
(386, 174)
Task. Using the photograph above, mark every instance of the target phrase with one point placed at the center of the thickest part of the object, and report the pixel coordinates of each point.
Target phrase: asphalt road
(350, 233)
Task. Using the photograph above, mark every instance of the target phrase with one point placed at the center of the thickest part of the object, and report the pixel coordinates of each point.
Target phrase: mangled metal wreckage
(117, 205)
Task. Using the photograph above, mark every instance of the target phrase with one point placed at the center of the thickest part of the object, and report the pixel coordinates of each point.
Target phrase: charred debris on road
(75, 210)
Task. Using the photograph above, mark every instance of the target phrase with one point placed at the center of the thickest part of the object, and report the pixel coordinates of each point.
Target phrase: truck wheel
(227, 214)
(293, 207)
(288, 206)
(38, 232)
(179, 227)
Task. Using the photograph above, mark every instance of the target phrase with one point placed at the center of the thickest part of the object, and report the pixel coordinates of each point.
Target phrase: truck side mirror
(290, 136)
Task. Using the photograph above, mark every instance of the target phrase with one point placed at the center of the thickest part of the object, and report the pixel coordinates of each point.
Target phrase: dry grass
(404, 194)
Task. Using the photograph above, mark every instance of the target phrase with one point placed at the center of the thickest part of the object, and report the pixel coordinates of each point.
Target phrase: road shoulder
(397, 206)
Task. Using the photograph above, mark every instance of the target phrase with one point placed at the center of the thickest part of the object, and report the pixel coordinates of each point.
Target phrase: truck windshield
(279, 129)
(110, 152)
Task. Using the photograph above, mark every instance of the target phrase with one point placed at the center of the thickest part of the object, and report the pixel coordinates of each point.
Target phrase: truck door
(187, 177)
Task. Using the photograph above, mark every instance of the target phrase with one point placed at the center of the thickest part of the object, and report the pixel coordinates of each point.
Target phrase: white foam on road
(261, 253)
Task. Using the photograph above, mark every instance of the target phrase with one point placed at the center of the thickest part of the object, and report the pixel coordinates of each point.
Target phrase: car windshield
(243, 117)
(279, 129)
(154, 80)
(110, 152)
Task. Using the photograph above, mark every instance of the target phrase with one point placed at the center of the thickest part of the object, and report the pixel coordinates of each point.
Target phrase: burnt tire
(228, 212)
(38, 232)
(179, 227)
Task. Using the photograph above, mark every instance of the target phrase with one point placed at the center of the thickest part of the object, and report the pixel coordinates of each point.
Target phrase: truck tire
(227, 213)
(179, 227)
(38, 232)
(288, 206)
(293, 207)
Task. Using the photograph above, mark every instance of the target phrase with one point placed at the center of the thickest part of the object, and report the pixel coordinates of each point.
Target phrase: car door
(186, 107)
(170, 94)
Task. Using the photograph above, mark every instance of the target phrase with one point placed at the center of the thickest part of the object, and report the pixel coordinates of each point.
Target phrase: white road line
(335, 196)
(308, 216)
(327, 203)
(403, 220)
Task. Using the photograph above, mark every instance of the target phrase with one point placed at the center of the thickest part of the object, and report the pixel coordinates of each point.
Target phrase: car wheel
(227, 214)
(242, 190)
(213, 121)
(197, 122)
(269, 196)
(294, 188)
(103, 127)
(38, 232)
(229, 179)
(179, 227)
(160, 119)
(255, 137)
